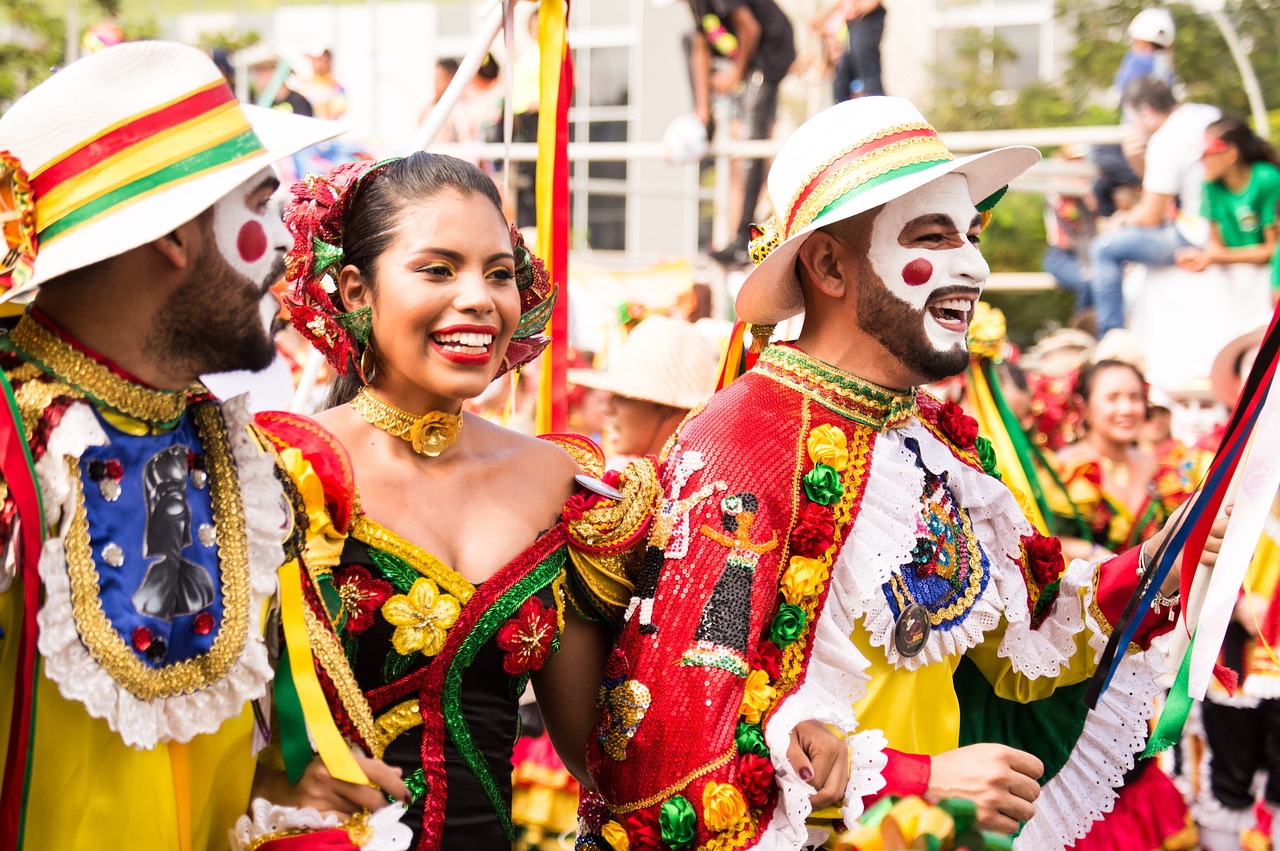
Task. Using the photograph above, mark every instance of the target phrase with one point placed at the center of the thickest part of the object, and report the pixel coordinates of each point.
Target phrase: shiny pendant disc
(912, 630)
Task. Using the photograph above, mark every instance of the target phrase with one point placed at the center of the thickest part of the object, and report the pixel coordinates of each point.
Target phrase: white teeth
(466, 340)
(961, 304)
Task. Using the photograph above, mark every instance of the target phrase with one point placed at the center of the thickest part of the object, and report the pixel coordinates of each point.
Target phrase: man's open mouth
(953, 312)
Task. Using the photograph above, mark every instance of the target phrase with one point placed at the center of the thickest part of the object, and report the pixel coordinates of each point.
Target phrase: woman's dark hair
(449, 65)
(489, 68)
(1089, 375)
(1234, 130)
(373, 214)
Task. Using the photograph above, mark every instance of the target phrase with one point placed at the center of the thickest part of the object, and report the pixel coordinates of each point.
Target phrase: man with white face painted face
(842, 552)
(141, 520)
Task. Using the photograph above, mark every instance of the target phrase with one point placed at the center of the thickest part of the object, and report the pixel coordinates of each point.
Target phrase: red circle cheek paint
(251, 242)
(917, 272)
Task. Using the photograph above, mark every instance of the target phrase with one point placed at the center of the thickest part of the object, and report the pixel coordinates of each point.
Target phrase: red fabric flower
(755, 776)
(585, 500)
(768, 658)
(643, 831)
(1044, 557)
(814, 531)
(527, 637)
(958, 426)
(362, 596)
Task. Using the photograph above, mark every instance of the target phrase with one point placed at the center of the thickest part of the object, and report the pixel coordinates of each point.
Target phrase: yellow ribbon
(551, 39)
(333, 749)
(992, 427)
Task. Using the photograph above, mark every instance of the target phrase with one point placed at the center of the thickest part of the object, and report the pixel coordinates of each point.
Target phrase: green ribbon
(1177, 707)
(295, 747)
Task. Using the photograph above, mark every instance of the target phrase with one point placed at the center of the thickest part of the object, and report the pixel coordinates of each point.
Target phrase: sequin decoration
(207, 534)
(623, 703)
(113, 555)
(948, 569)
(107, 475)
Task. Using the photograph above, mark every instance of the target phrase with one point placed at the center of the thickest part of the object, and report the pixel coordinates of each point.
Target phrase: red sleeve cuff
(1117, 582)
(905, 774)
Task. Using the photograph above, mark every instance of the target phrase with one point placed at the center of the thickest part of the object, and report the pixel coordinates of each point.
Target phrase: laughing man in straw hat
(841, 557)
(142, 521)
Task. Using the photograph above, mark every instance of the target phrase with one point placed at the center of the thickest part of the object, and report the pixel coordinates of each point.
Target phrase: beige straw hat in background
(663, 360)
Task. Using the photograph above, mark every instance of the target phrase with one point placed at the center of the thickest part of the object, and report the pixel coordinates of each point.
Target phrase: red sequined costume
(832, 550)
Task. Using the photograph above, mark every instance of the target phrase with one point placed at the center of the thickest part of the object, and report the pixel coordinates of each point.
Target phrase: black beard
(899, 327)
(211, 324)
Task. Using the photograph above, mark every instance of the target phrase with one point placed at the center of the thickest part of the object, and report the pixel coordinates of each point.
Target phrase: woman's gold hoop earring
(368, 363)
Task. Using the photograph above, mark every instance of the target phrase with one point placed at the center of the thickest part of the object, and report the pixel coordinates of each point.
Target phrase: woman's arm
(566, 688)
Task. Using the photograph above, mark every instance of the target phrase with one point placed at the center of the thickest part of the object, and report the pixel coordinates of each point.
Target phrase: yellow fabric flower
(802, 577)
(828, 445)
(421, 618)
(722, 806)
(986, 331)
(616, 837)
(758, 696)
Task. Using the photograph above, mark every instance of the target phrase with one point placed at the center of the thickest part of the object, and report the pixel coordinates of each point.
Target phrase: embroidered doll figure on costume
(845, 555)
(452, 561)
(145, 516)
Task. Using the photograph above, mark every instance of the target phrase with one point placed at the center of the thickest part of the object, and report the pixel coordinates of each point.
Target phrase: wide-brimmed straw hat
(1224, 376)
(847, 159)
(123, 146)
(663, 360)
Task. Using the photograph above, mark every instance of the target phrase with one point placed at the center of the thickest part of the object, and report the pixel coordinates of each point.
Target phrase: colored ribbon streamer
(1177, 706)
(1015, 463)
(551, 193)
(332, 748)
(1193, 529)
(18, 469)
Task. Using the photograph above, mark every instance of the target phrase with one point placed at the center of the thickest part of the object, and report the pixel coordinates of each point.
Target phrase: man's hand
(1213, 544)
(1192, 259)
(1000, 781)
(821, 759)
(725, 81)
(320, 790)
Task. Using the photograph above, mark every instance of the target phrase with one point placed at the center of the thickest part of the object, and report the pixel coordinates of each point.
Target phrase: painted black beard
(899, 327)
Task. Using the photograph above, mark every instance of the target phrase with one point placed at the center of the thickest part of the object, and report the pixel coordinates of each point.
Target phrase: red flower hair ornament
(314, 217)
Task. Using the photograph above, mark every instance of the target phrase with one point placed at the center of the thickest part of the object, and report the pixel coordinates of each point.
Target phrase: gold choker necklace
(429, 434)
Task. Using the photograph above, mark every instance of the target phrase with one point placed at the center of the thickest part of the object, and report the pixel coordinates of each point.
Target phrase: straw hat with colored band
(123, 146)
(1225, 377)
(847, 159)
(663, 360)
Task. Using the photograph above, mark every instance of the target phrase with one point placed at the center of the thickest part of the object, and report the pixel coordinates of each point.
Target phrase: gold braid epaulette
(607, 542)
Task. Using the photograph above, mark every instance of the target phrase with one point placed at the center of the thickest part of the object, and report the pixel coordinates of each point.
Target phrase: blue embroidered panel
(948, 565)
(151, 529)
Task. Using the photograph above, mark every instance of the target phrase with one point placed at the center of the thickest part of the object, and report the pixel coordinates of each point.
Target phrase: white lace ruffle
(1083, 791)
(143, 723)
(835, 679)
(884, 535)
(389, 834)
(1261, 686)
(1042, 652)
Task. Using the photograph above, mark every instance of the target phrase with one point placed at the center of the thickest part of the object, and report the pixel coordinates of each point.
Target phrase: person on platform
(133, 725)
(1172, 177)
(328, 97)
(447, 565)
(835, 559)
(665, 368)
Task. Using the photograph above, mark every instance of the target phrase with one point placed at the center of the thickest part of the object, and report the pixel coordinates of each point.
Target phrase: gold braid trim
(401, 718)
(106, 645)
(34, 396)
(679, 785)
(93, 378)
(379, 536)
(327, 650)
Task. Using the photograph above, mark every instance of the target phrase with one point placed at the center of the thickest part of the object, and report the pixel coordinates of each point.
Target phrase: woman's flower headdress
(314, 216)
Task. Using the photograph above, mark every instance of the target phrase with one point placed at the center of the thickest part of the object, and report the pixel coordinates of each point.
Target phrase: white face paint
(248, 232)
(921, 250)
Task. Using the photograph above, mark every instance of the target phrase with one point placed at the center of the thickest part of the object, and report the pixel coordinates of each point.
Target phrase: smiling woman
(441, 575)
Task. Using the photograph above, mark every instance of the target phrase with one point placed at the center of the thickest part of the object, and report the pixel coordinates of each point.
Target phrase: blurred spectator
(269, 76)
(526, 74)
(1166, 217)
(1241, 190)
(1150, 54)
(858, 72)
(328, 97)
(100, 36)
(665, 368)
(442, 76)
(478, 115)
(1070, 226)
(756, 40)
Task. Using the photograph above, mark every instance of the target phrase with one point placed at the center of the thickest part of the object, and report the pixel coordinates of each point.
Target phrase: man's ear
(182, 246)
(353, 289)
(825, 264)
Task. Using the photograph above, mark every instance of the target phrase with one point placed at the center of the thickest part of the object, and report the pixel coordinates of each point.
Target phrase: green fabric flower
(787, 624)
(750, 739)
(822, 484)
(678, 822)
(987, 456)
